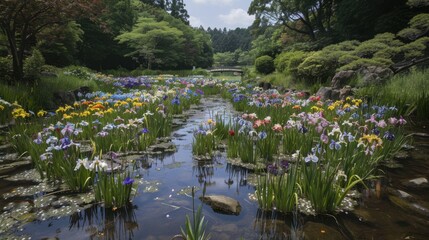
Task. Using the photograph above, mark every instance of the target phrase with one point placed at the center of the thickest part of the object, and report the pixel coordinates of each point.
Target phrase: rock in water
(222, 204)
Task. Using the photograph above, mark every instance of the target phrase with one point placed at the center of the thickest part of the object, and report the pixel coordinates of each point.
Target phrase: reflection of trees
(204, 173)
(105, 223)
(273, 225)
(236, 173)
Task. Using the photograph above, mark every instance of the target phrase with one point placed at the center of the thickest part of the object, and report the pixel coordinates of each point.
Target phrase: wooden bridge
(227, 69)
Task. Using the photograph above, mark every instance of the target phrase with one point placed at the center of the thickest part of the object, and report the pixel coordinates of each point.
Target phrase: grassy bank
(40, 94)
(409, 92)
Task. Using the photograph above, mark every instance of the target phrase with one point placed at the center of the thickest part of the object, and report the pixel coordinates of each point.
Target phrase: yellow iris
(20, 112)
(66, 116)
(41, 113)
(137, 104)
(316, 109)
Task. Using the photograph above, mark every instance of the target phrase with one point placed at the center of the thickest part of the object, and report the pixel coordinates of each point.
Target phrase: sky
(219, 13)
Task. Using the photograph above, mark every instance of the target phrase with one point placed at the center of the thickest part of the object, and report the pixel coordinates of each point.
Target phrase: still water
(163, 200)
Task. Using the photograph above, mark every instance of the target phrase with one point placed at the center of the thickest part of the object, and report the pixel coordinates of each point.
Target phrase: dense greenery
(101, 34)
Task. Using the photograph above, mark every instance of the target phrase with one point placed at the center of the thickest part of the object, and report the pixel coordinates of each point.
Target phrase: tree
(177, 10)
(21, 21)
(308, 17)
(155, 43)
(59, 44)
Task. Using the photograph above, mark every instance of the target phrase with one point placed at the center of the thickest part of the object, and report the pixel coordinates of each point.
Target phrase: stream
(164, 199)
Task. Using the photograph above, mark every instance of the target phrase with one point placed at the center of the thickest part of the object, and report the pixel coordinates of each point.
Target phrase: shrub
(33, 65)
(318, 67)
(287, 62)
(364, 62)
(264, 64)
(6, 68)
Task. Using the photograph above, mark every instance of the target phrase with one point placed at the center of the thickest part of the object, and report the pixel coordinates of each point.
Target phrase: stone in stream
(407, 202)
(222, 204)
(420, 182)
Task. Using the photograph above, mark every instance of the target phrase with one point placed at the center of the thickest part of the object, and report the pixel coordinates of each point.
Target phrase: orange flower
(296, 107)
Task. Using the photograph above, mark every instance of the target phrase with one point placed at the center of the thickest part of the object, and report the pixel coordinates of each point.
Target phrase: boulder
(375, 75)
(345, 92)
(420, 182)
(335, 95)
(324, 93)
(81, 92)
(265, 85)
(342, 78)
(222, 204)
(62, 98)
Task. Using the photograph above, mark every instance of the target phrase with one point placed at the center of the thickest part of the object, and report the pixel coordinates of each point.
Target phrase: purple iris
(128, 181)
(389, 136)
(303, 129)
(272, 169)
(376, 131)
(143, 131)
(175, 101)
(65, 143)
(199, 91)
(334, 145)
(284, 164)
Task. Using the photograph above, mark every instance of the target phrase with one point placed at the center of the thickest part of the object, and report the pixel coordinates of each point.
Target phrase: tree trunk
(17, 55)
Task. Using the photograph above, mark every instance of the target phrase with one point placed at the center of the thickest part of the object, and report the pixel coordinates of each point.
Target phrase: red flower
(231, 133)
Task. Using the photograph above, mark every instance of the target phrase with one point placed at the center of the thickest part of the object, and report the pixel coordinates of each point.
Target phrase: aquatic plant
(195, 229)
(278, 192)
(114, 190)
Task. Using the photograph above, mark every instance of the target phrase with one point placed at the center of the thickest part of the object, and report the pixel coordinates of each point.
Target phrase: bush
(6, 68)
(264, 64)
(318, 67)
(33, 65)
(364, 62)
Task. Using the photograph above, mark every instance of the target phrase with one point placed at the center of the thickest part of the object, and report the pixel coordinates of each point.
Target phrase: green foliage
(40, 94)
(153, 43)
(417, 3)
(164, 42)
(278, 192)
(418, 26)
(318, 67)
(364, 62)
(230, 40)
(407, 91)
(33, 65)
(6, 69)
(58, 43)
(288, 62)
(265, 44)
(195, 229)
(264, 64)
(113, 190)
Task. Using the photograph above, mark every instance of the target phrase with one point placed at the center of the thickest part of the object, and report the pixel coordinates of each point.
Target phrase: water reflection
(204, 172)
(273, 225)
(236, 174)
(99, 222)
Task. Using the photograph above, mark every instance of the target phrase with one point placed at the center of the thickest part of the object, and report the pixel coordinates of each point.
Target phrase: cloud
(195, 22)
(236, 17)
(212, 1)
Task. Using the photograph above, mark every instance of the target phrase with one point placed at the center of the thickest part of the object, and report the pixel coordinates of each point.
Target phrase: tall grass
(409, 92)
(40, 94)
